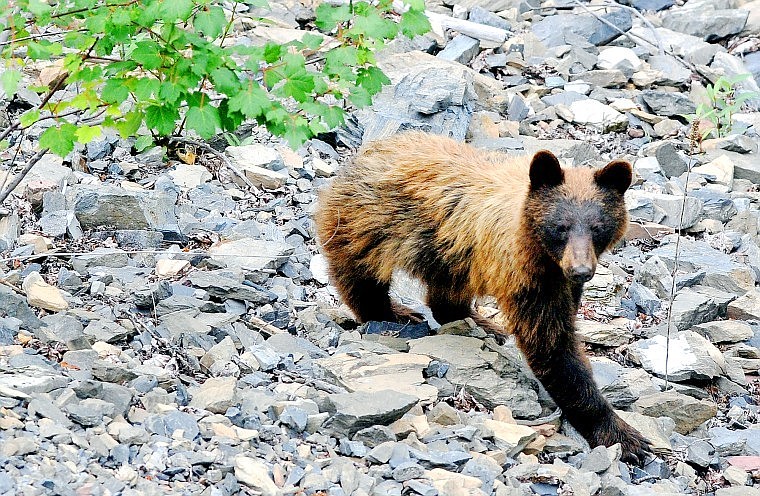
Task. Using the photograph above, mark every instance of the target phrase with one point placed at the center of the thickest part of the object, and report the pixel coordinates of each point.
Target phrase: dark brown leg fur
(446, 305)
(566, 374)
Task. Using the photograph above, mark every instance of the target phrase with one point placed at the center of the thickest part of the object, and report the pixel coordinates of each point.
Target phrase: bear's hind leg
(366, 296)
(447, 304)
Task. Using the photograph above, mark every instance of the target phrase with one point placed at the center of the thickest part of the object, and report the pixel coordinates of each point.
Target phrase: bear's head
(576, 214)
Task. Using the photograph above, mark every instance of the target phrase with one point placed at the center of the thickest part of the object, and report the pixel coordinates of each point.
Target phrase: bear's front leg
(566, 374)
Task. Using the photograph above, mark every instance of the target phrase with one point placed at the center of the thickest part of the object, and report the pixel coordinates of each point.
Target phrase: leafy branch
(155, 68)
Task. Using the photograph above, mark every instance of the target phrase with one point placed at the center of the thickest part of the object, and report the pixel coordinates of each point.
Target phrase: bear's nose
(582, 274)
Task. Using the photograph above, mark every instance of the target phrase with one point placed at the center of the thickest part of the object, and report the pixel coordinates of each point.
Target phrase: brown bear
(472, 223)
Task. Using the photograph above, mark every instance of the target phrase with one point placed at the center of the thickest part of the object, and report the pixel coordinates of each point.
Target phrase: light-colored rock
(492, 378)
(255, 474)
(621, 58)
(718, 171)
(745, 307)
(657, 431)
(216, 395)
(167, 268)
(688, 413)
(690, 356)
(371, 372)
(40, 294)
(512, 438)
(597, 115)
(724, 331)
(189, 176)
(601, 333)
(250, 254)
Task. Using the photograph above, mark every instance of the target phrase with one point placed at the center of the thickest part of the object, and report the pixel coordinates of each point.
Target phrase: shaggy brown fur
(472, 223)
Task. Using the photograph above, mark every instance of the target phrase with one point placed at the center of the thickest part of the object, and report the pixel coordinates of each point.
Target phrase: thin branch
(16, 180)
(693, 140)
(218, 154)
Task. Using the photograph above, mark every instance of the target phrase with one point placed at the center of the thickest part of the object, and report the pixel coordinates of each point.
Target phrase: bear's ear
(545, 171)
(616, 175)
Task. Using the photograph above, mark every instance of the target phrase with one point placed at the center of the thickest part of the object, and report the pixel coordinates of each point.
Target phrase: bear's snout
(579, 259)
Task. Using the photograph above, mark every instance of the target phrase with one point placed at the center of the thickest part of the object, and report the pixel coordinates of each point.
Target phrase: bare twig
(16, 180)
(218, 154)
(693, 140)
(265, 326)
(627, 35)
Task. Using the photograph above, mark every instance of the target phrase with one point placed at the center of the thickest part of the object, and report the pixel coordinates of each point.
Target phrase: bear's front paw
(635, 446)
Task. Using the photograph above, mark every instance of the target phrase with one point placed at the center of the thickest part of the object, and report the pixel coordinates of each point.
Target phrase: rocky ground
(166, 328)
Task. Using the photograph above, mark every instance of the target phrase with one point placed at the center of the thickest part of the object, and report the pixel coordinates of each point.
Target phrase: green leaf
(263, 4)
(312, 41)
(340, 62)
(60, 139)
(174, 10)
(332, 115)
(129, 125)
(372, 79)
(29, 117)
(39, 9)
(230, 119)
(114, 91)
(147, 54)
(146, 88)
(9, 80)
(415, 4)
(225, 80)
(205, 120)
(210, 22)
(122, 17)
(297, 132)
(414, 23)
(143, 142)
(299, 86)
(252, 102)
(43, 49)
(272, 52)
(327, 16)
(360, 97)
(170, 92)
(161, 118)
(85, 134)
(375, 26)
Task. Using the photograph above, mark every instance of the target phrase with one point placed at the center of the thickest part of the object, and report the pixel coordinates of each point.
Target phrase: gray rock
(724, 331)
(738, 442)
(104, 205)
(559, 29)
(484, 16)
(59, 223)
(375, 435)
(460, 49)
(650, 5)
(427, 93)
(621, 386)
(672, 162)
(218, 284)
(687, 413)
(408, 470)
(644, 298)
(598, 460)
(493, 378)
(746, 307)
(234, 254)
(673, 73)
(108, 331)
(167, 424)
(14, 305)
(705, 22)
(721, 272)
(690, 357)
(352, 412)
(699, 453)
(667, 103)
